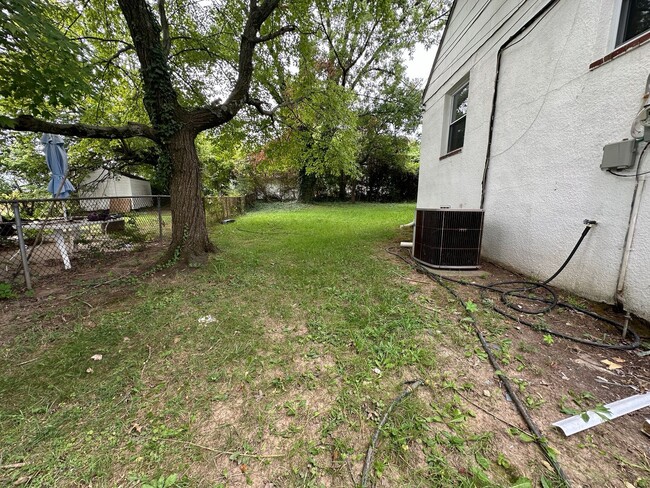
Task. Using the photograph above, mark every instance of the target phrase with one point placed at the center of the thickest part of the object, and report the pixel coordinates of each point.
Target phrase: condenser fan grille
(447, 238)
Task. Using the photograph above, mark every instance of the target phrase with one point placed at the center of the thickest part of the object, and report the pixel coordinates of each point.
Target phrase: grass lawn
(271, 366)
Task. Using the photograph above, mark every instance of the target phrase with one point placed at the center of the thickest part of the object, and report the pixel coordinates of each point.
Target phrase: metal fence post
(160, 222)
(21, 243)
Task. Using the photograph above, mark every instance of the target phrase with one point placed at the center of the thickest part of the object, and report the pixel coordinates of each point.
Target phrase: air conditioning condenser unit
(448, 238)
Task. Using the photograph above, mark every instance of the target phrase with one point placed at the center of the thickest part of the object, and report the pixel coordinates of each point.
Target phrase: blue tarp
(57, 161)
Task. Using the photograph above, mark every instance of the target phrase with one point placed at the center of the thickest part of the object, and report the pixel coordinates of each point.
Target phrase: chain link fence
(43, 237)
(218, 209)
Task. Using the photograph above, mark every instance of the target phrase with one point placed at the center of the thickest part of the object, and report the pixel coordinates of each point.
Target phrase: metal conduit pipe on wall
(544, 10)
(619, 298)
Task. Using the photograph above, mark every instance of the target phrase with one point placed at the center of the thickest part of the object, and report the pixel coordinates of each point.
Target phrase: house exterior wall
(553, 117)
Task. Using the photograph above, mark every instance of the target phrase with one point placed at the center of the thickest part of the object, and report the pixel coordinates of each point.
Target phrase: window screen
(458, 116)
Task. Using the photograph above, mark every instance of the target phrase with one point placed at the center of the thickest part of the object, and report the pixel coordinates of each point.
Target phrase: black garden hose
(533, 285)
(521, 408)
(548, 304)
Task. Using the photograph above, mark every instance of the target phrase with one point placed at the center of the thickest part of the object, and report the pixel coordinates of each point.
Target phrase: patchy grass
(271, 366)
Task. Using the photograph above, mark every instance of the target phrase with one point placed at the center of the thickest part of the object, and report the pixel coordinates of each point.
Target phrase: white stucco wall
(553, 117)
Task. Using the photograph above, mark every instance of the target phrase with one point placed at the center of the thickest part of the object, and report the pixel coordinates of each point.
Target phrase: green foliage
(322, 136)
(40, 68)
(522, 483)
(585, 402)
(350, 107)
(223, 156)
(68, 61)
(160, 482)
(548, 339)
(6, 291)
(22, 168)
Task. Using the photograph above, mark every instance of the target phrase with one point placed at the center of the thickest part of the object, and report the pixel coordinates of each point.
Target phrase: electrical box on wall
(619, 155)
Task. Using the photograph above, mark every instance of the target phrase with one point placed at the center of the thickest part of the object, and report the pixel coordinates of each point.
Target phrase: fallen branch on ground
(228, 453)
(373, 444)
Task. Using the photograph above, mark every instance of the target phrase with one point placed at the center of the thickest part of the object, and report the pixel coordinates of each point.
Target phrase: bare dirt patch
(271, 424)
(551, 374)
(91, 283)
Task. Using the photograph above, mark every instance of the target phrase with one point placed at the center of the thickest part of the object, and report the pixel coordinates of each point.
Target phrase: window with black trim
(458, 117)
(635, 20)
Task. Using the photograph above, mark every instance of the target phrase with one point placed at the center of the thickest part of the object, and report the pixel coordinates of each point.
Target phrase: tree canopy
(349, 80)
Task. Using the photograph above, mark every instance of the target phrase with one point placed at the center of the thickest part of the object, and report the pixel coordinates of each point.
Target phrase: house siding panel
(140, 187)
(100, 183)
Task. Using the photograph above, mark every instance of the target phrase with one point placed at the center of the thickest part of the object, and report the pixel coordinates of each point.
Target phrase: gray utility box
(619, 155)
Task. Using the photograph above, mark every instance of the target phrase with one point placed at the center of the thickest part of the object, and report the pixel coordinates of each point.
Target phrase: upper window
(635, 19)
(458, 116)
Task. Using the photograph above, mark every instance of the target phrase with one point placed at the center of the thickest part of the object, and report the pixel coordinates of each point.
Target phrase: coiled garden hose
(533, 285)
(525, 293)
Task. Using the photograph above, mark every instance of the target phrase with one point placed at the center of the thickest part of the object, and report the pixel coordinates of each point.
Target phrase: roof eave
(435, 60)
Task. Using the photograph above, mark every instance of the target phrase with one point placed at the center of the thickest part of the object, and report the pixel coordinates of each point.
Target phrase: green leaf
(482, 461)
(523, 437)
(522, 483)
(569, 411)
(602, 411)
(7, 122)
(470, 306)
(480, 479)
(552, 453)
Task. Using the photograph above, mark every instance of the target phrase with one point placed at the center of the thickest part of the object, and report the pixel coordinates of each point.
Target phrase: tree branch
(330, 41)
(79, 13)
(259, 106)
(27, 123)
(160, 97)
(96, 38)
(373, 57)
(277, 33)
(164, 25)
(206, 50)
(364, 47)
(214, 115)
(126, 48)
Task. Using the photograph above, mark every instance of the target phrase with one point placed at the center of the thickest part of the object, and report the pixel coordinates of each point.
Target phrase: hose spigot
(590, 223)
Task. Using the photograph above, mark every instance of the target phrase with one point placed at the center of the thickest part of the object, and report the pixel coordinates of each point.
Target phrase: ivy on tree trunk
(174, 127)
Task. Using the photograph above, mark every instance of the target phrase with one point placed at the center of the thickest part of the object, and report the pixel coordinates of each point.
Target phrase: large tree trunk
(173, 126)
(307, 186)
(343, 186)
(189, 229)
